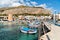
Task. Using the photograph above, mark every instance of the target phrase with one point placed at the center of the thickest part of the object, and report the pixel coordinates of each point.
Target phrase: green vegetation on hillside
(25, 14)
(3, 14)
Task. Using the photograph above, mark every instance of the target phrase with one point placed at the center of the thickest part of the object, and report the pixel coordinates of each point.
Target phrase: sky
(53, 5)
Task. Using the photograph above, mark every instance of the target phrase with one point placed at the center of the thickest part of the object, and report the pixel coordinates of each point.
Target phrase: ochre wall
(10, 17)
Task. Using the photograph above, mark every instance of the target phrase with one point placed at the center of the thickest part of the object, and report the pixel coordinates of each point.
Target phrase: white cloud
(42, 5)
(52, 10)
(45, 6)
(9, 3)
(4, 2)
(28, 4)
(34, 3)
(15, 4)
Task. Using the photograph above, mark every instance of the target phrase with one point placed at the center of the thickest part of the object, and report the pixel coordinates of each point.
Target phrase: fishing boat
(28, 30)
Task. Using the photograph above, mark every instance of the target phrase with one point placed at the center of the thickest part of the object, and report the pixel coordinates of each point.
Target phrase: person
(41, 28)
(42, 24)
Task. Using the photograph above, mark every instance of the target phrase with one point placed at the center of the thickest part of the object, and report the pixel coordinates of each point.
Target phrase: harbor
(29, 20)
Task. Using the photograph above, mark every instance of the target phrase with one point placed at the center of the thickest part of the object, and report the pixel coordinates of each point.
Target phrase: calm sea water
(12, 32)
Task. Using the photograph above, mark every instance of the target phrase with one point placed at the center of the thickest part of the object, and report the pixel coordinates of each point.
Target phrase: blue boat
(57, 24)
(28, 30)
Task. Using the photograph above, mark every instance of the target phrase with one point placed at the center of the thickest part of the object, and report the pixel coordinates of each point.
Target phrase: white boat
(28, 30)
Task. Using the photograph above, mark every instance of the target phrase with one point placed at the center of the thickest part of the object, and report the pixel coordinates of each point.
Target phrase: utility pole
(54, 17)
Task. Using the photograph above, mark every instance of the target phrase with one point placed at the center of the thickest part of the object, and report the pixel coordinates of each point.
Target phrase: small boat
(28, 30)
(57, 24)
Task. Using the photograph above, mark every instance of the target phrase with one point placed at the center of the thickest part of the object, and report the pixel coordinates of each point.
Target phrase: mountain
(24, 9)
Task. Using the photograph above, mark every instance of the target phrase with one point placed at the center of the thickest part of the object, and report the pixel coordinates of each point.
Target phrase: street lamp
(54, 17)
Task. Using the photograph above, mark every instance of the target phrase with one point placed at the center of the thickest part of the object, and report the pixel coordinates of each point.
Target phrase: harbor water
(12, 32)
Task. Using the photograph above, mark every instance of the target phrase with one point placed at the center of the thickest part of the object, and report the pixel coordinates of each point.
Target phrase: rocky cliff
(24, 9)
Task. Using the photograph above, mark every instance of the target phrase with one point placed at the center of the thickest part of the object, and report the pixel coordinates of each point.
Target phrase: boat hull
(29, 32)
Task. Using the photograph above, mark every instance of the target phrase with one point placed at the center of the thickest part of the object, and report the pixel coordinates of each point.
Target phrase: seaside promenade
(53, 34)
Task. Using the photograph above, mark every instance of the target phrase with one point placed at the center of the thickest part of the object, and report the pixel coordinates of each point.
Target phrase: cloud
(13, 3)
(28, 4)
(42, 5)
(9, 3)
(45, 6)
(34, 3)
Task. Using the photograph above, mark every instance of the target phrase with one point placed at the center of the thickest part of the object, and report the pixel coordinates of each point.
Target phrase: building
(24, 10)
(59, 16)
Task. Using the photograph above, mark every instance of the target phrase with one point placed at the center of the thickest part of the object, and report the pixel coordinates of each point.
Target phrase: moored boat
(28, 30)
